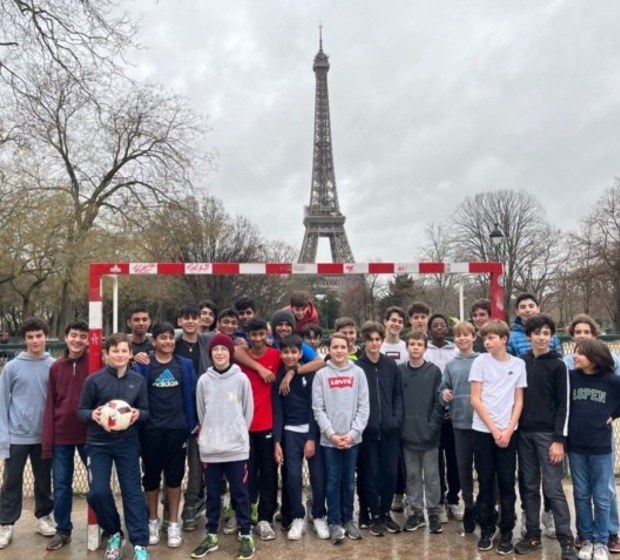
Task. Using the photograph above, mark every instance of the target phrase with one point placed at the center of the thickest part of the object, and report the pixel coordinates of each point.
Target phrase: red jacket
(311, 316)
(60, 422)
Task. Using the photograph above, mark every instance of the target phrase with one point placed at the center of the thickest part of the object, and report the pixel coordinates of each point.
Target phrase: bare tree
(112, 158)
(531, 247)
(599, 244)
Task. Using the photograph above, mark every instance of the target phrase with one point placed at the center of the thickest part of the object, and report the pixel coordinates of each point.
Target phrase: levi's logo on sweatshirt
(340, 382)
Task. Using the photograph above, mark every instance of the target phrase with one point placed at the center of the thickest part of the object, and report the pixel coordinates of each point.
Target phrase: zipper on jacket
(74, 365)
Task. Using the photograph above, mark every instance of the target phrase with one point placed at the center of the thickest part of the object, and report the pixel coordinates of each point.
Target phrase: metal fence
(80, 479)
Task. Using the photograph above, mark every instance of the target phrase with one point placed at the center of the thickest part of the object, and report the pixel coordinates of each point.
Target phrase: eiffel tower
(322, 217)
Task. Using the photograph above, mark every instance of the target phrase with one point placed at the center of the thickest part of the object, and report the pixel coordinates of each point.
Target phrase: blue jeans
(62, 470)
(591, 485)
(614, 524)
(340, 482)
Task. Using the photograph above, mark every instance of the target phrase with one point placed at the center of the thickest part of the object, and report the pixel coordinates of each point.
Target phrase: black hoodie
(545, 401)
(385, 396)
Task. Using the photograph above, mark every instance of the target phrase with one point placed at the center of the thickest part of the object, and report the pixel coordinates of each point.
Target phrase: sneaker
(457, 511)
(141, 553)
(527, 544)
(613, 544)
(246, 547)
(6, 534)
(352, 530)
(230, 525)
(398, 503)
(568, 550)
(321, 529)
(443, 514)
(586, 551)
(487, 536)
(46, 526)
(114, 550)
(265, 531)
(548, 524)
(190, 524)
(175, 540)
(414, 522)
(391, 526)
(600, 552)
(57, 541)
(434, 525)
(297, 530)
(505, 543)
(254, 513)
(469, 520)
(154, 528)
(377, 527)
(208, 544)
(336, 534)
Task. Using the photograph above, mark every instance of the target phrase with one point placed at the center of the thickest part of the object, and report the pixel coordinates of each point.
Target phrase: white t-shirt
(396, 351)
(499, 381)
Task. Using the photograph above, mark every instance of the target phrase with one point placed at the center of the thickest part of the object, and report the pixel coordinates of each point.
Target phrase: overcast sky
(431, 101)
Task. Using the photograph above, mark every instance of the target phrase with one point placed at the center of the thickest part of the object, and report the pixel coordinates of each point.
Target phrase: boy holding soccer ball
(105, 446)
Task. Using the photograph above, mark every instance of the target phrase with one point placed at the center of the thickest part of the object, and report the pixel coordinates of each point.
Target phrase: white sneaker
(46, 526)
(443, 514)
(548, 524)
(457, 511)
(174, 535)
(320, 528)
(154, 527)
(296, 531)
(6, 534)
(586, 551)
(265, 531)
(600, 552)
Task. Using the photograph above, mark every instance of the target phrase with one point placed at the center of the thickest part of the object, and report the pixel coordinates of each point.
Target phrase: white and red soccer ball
(115, 416)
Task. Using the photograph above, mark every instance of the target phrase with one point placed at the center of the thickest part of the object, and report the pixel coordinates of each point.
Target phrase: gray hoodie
(225, 409)
(456, 378)
(23, 392)
(340, 401)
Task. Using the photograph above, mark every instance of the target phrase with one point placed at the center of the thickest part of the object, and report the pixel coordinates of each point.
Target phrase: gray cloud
(430, 102)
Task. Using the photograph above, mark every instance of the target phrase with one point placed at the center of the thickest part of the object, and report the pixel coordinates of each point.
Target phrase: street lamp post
(496, 237)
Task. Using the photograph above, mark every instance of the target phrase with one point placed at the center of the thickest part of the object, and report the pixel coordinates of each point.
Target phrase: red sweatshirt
(311, 316)
(60, 422)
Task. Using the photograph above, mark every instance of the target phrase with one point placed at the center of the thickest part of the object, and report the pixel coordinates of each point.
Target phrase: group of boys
(233, 395)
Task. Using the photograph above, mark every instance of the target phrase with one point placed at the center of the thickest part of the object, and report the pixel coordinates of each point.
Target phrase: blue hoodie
(23, 392)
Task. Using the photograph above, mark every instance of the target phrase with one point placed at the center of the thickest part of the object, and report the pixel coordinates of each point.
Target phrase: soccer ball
(115, 416)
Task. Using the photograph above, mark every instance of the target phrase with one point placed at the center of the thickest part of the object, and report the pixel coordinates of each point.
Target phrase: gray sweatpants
(423, 484)
(533, 449)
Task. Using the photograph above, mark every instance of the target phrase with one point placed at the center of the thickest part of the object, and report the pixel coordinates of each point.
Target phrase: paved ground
(452, 544)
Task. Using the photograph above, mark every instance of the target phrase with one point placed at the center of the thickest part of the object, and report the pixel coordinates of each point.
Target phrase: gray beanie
(283, 315)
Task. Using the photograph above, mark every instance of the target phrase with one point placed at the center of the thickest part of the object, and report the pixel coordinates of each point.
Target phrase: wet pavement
(451, 544)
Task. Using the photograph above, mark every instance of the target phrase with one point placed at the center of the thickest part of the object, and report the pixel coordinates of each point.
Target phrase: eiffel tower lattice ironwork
(322, 217)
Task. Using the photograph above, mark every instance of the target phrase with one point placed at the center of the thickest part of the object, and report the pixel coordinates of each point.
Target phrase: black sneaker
(391, 526)
(414, 522)
(568, 550)
(528, 543)
(469, 520)
(377, 528)
(487, 535)
(58, 541)
(434, 525)
(505, 543)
